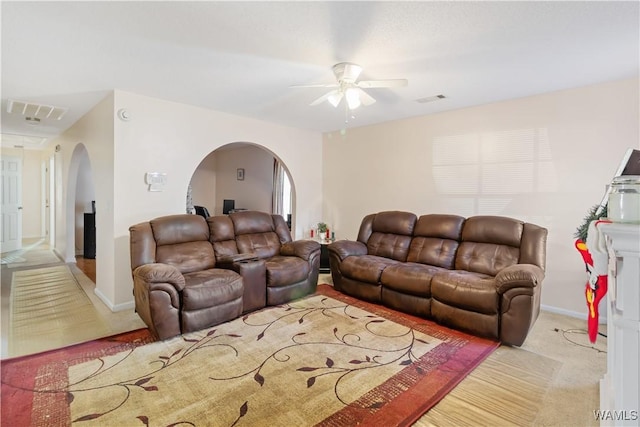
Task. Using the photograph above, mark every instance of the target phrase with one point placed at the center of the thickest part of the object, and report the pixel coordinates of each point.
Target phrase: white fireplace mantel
(619, 396)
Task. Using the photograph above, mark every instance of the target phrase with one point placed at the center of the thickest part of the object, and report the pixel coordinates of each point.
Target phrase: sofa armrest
(345, 248)
(156, 288)
(519, 276)
(301, 248)
(158, 273)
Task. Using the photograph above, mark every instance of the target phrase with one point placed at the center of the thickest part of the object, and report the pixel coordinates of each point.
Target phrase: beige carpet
(575, 392)
(47, 304)
(507, 389)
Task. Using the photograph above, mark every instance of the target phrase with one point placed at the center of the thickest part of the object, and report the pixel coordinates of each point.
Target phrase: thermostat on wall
(155, 180)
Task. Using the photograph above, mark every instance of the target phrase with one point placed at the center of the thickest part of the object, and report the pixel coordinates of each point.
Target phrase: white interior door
(51, 218)
(11, 197)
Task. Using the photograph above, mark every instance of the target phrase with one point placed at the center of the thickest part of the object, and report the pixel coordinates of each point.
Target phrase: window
(281, 190)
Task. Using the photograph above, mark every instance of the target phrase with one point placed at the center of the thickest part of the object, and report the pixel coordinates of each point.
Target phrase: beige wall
(173, 138)
(544, 159)
(93, 133)
(163, 137)
(203, 184)
(256, 190)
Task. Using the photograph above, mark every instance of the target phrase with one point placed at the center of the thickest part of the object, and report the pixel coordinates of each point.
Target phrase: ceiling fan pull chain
(346, 113)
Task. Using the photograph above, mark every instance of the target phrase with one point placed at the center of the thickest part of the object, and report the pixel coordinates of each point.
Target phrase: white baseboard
(129, 305)
(578, 315)
(66, 260)
(33, 237)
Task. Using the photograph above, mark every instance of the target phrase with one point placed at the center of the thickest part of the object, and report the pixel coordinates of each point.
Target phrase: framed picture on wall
(240, 174)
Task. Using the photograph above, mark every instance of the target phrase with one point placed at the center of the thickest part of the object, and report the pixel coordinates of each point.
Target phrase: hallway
(36, 254)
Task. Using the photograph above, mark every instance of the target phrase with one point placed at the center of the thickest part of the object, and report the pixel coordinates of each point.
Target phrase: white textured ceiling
(241, 57)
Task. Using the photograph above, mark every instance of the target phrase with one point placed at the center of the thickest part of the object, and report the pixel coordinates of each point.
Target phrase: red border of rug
(19, 374)
(404, 410)
(464, 353)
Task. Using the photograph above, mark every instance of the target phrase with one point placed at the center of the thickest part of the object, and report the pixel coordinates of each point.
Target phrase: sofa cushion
(391, 234)
(286, 270)
(410, 278)
(489, 244)
(440, 225)
(209, 288)
(433, 251)
(171, 229)
(435, 240)
(183, 241)
(365, 268)
(394, 222)
(493, 229)
(466, 290)
(249, 222)
(187, 257)
(263, 245)
(255, 233)
(221, 235)
(485, 258)
(391, 246)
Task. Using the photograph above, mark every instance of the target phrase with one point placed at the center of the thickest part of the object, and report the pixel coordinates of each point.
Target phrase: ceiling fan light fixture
(348, 86)
(347, 72)
(353, 98)
(335, 99)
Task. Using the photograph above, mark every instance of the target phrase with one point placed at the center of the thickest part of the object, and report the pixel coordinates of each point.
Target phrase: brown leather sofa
(190, 273)
(481, 274)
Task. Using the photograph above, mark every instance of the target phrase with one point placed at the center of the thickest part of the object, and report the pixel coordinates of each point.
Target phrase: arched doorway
(250, 175)
(80, 209)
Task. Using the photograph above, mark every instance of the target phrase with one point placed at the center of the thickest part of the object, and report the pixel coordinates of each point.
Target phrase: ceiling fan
(349, 88)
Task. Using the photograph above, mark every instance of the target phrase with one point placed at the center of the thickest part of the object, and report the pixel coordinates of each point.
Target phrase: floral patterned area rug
(326, 359)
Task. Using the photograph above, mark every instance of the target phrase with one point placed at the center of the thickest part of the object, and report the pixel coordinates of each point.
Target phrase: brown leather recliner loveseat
(190, 273)
(481, 274)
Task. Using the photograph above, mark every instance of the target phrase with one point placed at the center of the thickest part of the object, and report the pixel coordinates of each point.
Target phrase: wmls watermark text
(617, 415)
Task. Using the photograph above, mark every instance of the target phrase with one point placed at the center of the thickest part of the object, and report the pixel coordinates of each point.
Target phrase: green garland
(592, 215)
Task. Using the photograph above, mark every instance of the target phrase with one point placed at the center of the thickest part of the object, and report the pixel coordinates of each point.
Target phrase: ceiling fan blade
(317, 85)
(325, 97)
(365, 98)
(382, 83)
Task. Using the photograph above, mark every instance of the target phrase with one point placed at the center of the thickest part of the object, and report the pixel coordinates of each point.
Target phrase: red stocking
(595, 290)
(594, 295)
